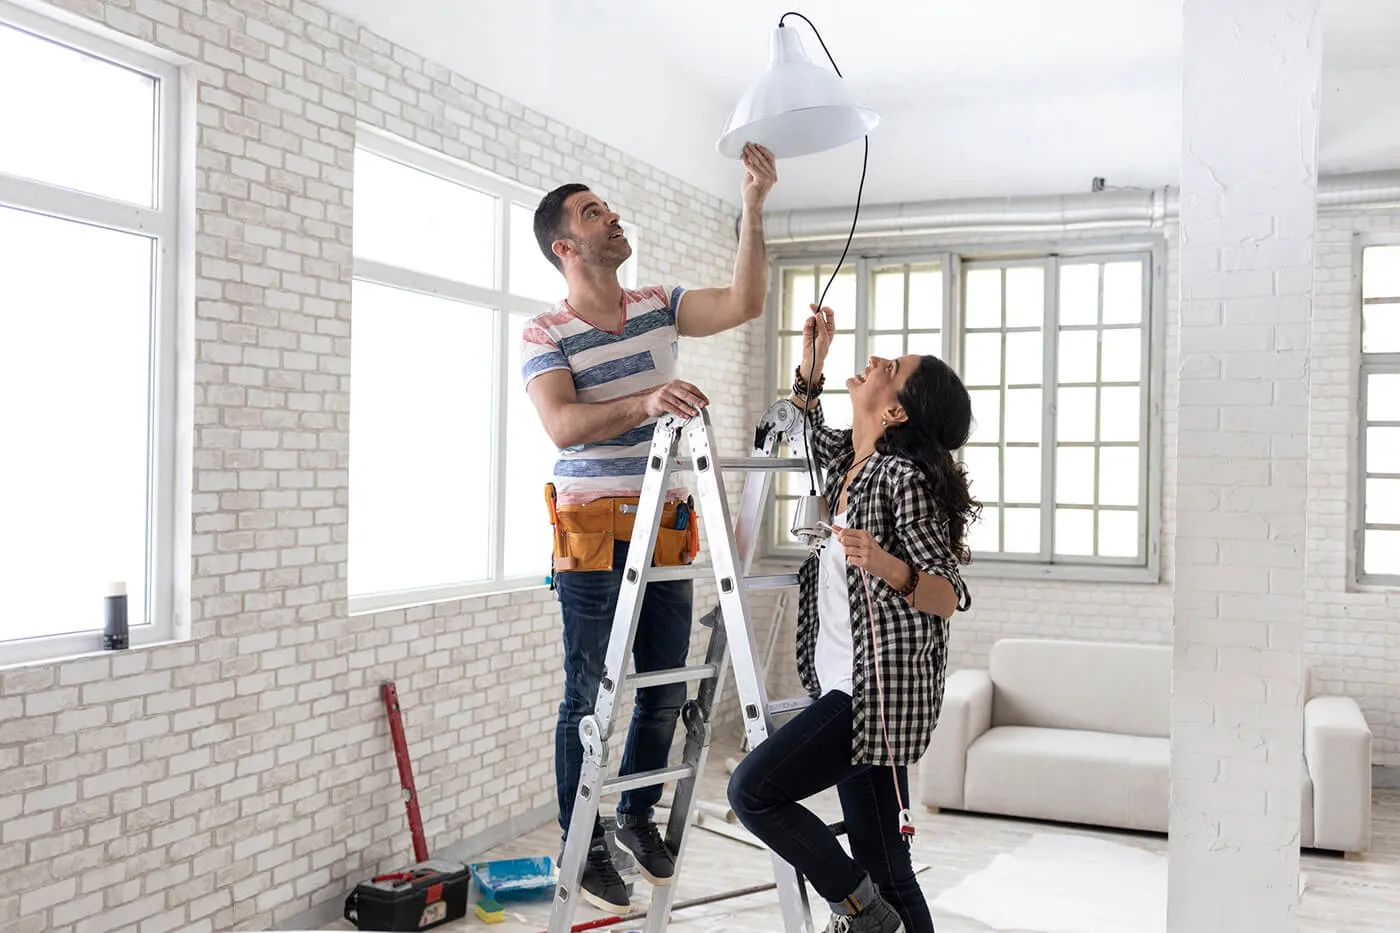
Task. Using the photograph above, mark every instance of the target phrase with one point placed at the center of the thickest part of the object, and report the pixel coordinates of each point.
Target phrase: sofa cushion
(1043, 774)
(1071, 776)
(1092, 686)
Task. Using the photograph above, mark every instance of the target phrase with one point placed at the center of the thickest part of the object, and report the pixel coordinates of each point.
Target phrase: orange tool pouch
(584, 534)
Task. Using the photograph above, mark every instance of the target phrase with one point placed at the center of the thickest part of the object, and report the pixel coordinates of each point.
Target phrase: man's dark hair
(550, 222)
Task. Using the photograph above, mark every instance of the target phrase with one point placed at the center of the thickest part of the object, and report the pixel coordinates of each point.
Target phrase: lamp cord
(821, 302)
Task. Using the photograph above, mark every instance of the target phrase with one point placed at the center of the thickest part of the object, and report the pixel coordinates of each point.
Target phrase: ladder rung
(686, 572)
(764, 464)
(770, 581)
(675, 675)
(647, 778)
(749, 464)
(792, 705)
(763, 581)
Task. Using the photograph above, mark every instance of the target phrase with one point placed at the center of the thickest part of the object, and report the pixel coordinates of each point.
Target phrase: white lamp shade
(796, 108)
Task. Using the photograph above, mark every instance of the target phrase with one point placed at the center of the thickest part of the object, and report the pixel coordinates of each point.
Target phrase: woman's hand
(863, 551)
(817, 333)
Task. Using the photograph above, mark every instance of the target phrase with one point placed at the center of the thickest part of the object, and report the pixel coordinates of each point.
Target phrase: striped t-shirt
(606, 366)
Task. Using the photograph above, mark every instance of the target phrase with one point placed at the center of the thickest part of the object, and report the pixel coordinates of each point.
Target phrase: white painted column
(1251, 77)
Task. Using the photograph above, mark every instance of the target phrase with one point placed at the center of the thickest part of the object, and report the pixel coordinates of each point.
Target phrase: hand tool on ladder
(689, 446)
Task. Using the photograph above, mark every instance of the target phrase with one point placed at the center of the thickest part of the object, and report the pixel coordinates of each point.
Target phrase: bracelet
(802, 389)
(912, 585)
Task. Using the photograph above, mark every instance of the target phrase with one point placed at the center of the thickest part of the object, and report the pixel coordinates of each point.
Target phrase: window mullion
(1001, 423)
(952, 316)
(1048, 380)
(862, 322)
(502, 270)
(495, 543)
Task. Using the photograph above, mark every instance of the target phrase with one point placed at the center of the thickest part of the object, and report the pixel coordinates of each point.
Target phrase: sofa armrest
(1337, 750)
(966, 714)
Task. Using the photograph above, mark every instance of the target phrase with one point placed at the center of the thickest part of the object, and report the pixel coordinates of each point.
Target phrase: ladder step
(675, 675)
(647, 778)
(770, 581)
(788, 706)
(761, 581)
(748, 464)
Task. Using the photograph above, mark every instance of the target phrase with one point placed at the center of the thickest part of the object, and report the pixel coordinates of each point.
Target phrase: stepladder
(688, 446)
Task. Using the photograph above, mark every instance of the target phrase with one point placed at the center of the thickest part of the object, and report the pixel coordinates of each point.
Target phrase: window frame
(953, 261)
(502, 304)
(1367, 364)
(168, 223)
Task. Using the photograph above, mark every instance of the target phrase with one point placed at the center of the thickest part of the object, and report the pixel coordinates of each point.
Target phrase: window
(1055, 354)
(448, 459)
(1379, 540)
(906, 316)
(90, 180)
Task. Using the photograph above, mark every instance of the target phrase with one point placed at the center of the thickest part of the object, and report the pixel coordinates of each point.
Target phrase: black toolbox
(421, 897)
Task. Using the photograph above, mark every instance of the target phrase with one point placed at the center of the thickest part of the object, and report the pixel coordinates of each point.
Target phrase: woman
(900, 508)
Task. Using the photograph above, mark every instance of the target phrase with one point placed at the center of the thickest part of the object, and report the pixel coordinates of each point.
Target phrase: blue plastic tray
(515, 879)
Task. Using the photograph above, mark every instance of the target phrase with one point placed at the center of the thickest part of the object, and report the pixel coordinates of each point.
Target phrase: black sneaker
(876, 917)
(654, 858)
(602, 885)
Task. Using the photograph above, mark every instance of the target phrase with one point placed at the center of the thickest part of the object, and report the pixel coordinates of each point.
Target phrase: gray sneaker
(876, 917)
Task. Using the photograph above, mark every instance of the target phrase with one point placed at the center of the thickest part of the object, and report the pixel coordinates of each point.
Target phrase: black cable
(821, 302)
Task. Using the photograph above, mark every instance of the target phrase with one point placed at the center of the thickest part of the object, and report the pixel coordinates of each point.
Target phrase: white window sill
(987, 568)
(371, 603)
(55, 649)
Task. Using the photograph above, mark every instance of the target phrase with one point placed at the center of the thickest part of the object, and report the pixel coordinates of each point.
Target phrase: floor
(1341, 896)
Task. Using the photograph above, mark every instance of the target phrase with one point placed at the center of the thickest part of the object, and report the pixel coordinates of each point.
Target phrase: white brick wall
(243, 777)
(1248, 203)
(1351, 638)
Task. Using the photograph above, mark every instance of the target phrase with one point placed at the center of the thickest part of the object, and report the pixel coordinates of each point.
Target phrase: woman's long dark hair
(940, 422)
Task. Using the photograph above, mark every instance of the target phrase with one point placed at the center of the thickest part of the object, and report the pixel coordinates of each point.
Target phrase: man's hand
(675, 398)
(761, 175)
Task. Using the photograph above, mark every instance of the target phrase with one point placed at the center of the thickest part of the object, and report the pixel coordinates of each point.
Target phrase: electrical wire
(821, 302)
(906, 826)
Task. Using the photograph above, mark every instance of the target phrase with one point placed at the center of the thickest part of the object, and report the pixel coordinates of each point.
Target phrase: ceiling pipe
(1123, 209)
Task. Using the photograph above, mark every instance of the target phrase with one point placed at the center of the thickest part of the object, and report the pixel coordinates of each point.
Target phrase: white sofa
(1077, 732)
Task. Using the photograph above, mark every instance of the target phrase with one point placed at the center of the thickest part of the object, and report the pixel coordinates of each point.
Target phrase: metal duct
(1363, 189)
(1128, 210)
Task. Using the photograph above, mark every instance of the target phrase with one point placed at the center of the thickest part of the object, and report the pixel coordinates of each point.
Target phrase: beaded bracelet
(912, 585)
(801, 389)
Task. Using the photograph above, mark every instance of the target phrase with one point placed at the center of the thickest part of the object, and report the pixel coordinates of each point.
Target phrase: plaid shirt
(890, 498)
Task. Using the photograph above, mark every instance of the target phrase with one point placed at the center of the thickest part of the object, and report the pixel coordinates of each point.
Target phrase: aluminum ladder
(688, 445)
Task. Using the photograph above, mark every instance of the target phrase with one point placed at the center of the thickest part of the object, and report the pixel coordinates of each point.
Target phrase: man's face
(594, 231)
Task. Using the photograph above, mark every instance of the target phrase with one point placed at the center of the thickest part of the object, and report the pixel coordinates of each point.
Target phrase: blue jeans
(803, 758)
(588, 599)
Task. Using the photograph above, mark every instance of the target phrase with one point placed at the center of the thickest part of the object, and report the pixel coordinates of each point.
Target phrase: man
(600, 369)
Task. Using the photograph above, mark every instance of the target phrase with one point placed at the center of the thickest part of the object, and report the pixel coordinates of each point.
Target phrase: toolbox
(421, 897)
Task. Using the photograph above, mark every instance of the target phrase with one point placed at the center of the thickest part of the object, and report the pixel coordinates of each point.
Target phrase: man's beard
(610, 254)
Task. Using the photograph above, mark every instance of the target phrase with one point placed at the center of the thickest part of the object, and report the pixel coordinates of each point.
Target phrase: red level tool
(410, 795)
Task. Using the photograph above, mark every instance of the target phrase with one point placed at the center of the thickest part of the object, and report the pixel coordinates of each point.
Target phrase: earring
(884, 422)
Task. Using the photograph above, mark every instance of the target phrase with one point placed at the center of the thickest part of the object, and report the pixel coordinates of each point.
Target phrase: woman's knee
(745, 790)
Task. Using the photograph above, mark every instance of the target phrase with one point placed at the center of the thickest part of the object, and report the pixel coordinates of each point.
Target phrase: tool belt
(584, 535)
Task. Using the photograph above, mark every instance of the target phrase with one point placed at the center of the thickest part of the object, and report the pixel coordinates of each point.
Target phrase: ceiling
(998, 97)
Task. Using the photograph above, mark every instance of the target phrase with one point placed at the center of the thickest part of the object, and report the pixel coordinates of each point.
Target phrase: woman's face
(876, 388)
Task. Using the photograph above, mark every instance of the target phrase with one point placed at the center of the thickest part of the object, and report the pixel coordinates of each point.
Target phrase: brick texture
(1248, 207)
(245, 776)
